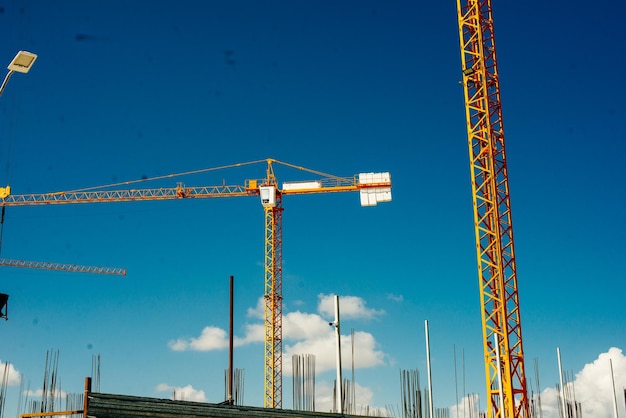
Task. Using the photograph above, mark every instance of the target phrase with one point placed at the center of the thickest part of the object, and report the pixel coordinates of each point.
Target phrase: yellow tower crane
(372, 187)
(507, 394)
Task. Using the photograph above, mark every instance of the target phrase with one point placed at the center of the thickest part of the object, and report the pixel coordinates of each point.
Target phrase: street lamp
(21, 63)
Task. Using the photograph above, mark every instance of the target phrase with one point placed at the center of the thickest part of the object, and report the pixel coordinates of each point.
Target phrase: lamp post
(21, 64)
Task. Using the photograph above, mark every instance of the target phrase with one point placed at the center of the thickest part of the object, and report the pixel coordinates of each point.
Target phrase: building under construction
(104, 405)
(101, 405)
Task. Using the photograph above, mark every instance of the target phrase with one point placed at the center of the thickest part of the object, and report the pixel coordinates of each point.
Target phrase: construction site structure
(72, 268)
(372, 187)
(107, 405)
(507, 394)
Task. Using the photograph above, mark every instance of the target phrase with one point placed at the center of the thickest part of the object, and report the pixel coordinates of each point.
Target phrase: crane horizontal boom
(178, 192)
(74, 268)
(370, 184)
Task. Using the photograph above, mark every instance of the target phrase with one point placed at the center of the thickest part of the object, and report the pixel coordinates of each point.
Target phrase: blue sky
(124, 91)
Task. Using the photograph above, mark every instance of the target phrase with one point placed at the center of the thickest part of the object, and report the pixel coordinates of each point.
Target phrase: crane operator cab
(268, 196)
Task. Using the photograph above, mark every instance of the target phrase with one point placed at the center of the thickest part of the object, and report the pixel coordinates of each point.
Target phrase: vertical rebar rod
(456, 384)
(463, 374)
(303, 373)
(239, 386)
(295, 377)
(352, 409)
(3, 387)
(230, 345)
(538, 388)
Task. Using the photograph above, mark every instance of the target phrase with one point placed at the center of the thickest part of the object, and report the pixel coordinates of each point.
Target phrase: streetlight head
(22, 62)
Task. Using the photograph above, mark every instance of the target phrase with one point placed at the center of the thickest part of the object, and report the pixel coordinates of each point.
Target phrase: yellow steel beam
(51, 414)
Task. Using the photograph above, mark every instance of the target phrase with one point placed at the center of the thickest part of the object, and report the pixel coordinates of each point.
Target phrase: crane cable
(308, 170)
(202, 170)
(166, 176)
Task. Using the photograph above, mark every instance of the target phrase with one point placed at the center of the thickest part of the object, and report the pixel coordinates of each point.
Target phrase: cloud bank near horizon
(592, 388)
(303, 333)
(182, 393)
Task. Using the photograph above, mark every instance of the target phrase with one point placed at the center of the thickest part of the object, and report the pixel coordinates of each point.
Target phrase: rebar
(303, 371)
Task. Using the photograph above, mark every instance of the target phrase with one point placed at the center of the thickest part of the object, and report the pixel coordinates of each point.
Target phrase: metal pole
(430, 383)
(6, 80)
(558, 354)
(339, 378)
(86, 396)
(613, 386)
(501, 393)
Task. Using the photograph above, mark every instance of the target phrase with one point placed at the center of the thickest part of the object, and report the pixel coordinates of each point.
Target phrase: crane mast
(507, 394)
(273, 296)
(271, 199)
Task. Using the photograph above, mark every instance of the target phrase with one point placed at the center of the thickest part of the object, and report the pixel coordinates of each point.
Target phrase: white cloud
(395, 298)
(257, 312)
(364, 396)
(38, 393)
(350, 307)
(182, 393)
(468, 407)
(211, 338)
(323, 347)
(255, 333)
(303, 333)
(214, 338)
(593, 388)
(13, 374)
(550, 403)
(298, 325)
(323, 396)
